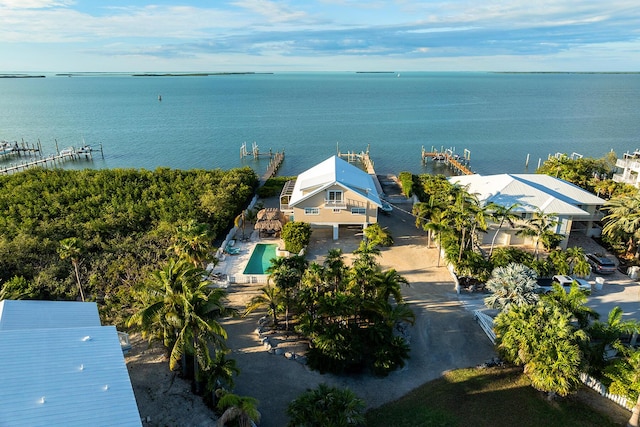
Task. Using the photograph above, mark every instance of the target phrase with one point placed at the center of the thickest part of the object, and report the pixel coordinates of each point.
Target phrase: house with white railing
(628, 169)
(331, 194)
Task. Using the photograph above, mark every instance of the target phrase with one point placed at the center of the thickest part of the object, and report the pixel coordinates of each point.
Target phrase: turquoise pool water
(260, 259)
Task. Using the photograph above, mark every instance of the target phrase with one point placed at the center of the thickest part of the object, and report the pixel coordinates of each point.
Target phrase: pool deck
(232, 267)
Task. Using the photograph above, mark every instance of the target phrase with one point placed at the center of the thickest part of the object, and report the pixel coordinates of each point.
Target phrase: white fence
(600, 388)
(486, 323)
(249, 278)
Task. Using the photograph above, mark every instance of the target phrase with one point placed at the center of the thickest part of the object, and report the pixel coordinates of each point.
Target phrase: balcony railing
(632, 164)
(335, 204)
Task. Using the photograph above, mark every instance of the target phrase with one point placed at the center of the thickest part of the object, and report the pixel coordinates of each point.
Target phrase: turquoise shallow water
(260, 259)
(202, 121)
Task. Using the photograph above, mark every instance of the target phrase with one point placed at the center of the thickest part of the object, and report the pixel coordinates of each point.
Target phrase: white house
(331, 194)
(61, 367)
(629, 169)
(575, 209)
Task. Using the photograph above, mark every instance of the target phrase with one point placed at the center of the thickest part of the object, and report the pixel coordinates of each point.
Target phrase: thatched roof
(270, 219)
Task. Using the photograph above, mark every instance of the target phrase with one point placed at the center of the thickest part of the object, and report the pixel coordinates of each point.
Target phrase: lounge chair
(232, 251)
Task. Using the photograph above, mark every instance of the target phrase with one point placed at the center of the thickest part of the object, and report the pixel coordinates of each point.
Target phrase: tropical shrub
(326, 406)
(296, 236)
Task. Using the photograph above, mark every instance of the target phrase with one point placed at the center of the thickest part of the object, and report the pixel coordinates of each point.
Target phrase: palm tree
(326, 407)
(388, 284)
(605, 337)
(467, 216)
(573, 302)
(194, 242)
(286, 274)
(578, 264)
(181, 309)
(378, 236)
(623, 220)
(500, 214)
(514, 284)
(435, 227)
(239, 411)
(335, 268)
(159, 303)
(197, 325)
(540, 227)
(71, 248)
(540, 337)
(221, 372)
(271, 298)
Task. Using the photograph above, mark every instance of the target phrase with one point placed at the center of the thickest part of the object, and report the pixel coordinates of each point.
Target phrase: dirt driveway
(445, 335)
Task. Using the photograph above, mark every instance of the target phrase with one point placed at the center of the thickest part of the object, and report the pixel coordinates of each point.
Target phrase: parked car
(601, 264)
(546, 285)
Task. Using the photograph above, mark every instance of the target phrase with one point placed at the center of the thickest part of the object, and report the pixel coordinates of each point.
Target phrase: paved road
(445, 335)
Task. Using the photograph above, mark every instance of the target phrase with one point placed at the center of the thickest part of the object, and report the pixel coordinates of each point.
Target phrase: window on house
(334, 196)
(311, 211)
(358, 211)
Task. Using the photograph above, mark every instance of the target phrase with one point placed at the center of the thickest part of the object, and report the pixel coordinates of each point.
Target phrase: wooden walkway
(52, 160)
(453, 161)
(274, 165)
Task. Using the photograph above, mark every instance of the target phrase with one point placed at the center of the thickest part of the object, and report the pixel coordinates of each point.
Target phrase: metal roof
(332, 171)
(532, 191)
(27, 314)
(62, 375)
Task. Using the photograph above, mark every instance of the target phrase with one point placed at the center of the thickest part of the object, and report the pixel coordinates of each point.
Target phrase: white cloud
(34, 4)
(273, 12)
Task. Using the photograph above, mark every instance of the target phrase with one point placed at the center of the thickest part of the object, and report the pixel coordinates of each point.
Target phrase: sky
(319, 35)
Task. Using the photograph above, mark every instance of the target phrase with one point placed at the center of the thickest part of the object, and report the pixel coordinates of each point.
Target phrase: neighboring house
(61, 367)
(575, 209)
(331, 194)
(629, 168)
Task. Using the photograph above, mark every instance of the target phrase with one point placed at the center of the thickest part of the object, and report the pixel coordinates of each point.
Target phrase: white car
(546, 285)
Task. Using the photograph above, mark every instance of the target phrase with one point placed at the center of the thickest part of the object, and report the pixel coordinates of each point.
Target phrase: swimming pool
(260, 259)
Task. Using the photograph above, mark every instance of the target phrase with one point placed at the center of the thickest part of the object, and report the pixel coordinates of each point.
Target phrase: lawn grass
(487, 397)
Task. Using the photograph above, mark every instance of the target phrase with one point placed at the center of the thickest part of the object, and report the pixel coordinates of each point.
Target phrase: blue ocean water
(202, 121)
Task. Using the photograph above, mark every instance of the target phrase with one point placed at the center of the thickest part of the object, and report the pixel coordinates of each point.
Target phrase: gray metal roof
(26, 314)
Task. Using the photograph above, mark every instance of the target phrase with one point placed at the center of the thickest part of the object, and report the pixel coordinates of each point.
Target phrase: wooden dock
(460, 164)
(254, 152)
(53, 160)
(11, 149)
(274, 165)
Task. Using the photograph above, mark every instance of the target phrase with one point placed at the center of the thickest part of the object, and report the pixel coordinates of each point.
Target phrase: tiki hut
(269, 222)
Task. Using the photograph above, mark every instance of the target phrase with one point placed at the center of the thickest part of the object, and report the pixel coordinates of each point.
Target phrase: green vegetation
(103, 232)
(273, 186)
(296, 236)
(486, 397)
(326, 407)
(349, 314)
